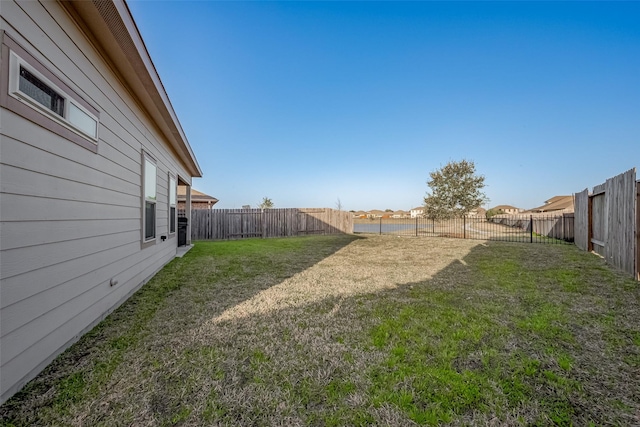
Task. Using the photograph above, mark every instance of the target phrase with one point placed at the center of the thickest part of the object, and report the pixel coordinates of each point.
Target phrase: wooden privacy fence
(607, 221)
(224, 224)
(556, 226)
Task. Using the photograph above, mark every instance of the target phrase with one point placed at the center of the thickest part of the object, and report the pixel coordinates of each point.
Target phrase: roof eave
(112, 27)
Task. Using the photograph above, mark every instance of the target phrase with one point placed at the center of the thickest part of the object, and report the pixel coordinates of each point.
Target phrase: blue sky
(308, 102)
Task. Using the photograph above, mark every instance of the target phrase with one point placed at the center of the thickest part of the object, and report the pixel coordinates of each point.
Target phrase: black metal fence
(534, 228)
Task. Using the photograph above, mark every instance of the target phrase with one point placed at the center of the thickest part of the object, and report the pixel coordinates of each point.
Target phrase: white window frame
(148, 160)
(67, 120)
(172, 204)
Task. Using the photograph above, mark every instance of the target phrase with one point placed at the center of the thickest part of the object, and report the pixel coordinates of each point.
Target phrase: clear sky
(308, 102)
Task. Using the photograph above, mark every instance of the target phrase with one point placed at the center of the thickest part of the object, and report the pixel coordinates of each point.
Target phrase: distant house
(93, 155)
(477, 212)
(417, 212)
(376, 213)
(400, 214)
(507, 209)
(359, 214)
(555, 204)
(199, 200)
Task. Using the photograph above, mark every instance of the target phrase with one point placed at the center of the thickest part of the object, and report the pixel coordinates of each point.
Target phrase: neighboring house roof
(196, 196)
(378, 212)
(419, 208)
(401, 212)
(555, 199)
(555, 203)
(112, 25)
(504, 207)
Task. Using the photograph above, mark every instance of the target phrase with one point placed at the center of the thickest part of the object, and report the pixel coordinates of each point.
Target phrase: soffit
(112, 27)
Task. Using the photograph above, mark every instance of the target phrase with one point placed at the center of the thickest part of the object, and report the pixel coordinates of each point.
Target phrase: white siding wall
(70, 219)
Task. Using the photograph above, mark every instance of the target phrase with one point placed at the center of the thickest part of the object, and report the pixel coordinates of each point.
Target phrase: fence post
(464, 226)
(638, 230)
(380, 225)
(590, 224)
(531, 226)
(224, 225)
(416, 226)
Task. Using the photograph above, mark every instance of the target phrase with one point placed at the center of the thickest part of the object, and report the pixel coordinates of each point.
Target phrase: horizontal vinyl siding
(36, 184)
(22, 260)
(38, 354)
(26, 208)
(61, 274)
(29, 156)
(33, 233)
(68, 301)
(71, 218)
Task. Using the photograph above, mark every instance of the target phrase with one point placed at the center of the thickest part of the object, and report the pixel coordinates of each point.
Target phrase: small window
(172, 204)
(149, 214)
(83, 120)
(31, 87)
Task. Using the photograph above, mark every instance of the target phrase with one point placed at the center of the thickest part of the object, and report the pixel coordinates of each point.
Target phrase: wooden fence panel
(222, 224)
(569, 225)
(556, 227)
(581, 224)
(200, 223)
(612, 222)
(314, 221)
(599, 223)
(621, 194)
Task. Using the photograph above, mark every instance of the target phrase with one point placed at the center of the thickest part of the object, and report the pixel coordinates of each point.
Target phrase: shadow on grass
(374, 331)
(85, 369)
(508, 333)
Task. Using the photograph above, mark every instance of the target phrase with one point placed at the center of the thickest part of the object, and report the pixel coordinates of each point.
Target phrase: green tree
(493, 212)
(456, 189)
(266, 203)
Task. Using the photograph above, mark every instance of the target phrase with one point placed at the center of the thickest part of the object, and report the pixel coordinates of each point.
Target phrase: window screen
(149, 199)
(172, 204)
(40, 92)
(149, 220)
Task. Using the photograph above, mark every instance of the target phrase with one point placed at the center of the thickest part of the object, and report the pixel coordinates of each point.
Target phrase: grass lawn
(341, 330)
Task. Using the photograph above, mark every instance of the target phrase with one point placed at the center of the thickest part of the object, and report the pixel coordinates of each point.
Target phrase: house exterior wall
(71, 217)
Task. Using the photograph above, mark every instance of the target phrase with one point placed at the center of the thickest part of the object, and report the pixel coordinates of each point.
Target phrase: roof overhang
(111, 28)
